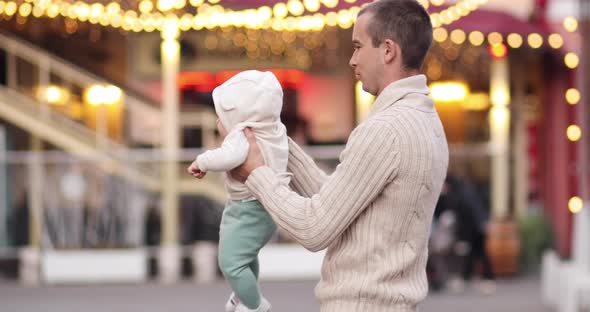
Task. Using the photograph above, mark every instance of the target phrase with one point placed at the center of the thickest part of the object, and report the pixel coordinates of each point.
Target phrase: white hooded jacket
(251, 99)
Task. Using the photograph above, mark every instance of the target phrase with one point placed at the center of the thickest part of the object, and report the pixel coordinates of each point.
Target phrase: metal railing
(87, 205)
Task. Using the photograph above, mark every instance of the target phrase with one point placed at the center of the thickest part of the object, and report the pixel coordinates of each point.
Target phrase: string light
(572, 96)
(10, 8)
(345, 20)
(118, 18)
(476, 38)
(312, 5)
(331, 19)
(572, 60)
(25, 9)
(38, 11)
(53, 11)
(514, 40)
(213, 16)
(535, 40)
(498, 51)
(495, 38)
(280, 10)
(113, 15)
(575, 204)
(180, 4)
(330, 3)
(455, 12)
(458, 36)
(166, 5)
(295, 7)
(94, 13)
(555, 41)
(440, 34)
(113, 8)
(570, 24)
(574, 133)
(424, 3)
(146, 6)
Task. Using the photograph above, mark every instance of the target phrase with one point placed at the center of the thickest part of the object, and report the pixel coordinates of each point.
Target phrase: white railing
(85, 205)
(57, 165)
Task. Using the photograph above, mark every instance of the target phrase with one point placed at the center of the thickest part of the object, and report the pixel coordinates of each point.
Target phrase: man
(374, 212)
(471, 231)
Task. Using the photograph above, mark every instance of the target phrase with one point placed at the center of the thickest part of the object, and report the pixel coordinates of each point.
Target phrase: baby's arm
(232, 153)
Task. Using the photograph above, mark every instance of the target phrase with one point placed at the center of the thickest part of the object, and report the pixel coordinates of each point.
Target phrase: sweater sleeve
(232, 153)
(368, 163)
(307, 178)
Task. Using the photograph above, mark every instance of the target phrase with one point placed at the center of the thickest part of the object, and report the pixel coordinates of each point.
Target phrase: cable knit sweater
(374, 212)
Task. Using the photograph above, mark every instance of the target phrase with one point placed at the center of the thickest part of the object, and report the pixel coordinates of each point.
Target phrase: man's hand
(253, 161)
(194, 170)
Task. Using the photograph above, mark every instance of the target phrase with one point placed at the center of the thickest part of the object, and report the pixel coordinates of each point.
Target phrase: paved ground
(511, 296)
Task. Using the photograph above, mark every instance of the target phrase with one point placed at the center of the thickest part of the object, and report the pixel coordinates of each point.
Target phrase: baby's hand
(194, 170)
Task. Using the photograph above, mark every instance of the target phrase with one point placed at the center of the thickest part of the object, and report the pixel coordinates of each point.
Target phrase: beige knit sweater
(374, 212)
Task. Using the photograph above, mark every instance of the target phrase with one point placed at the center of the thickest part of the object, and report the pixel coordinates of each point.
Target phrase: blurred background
(103, 105)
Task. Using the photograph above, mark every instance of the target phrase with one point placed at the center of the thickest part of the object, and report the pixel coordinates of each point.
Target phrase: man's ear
(391, 51)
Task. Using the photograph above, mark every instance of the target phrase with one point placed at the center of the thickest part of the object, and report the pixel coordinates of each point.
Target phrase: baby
(250, 99)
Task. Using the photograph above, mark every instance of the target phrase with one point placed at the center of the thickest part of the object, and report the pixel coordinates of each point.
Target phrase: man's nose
(352, 62)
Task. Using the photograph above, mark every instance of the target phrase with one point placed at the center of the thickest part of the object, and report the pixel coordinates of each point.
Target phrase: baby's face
(221, 129)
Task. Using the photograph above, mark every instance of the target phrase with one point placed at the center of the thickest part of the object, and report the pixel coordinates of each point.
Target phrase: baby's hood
(250, 96)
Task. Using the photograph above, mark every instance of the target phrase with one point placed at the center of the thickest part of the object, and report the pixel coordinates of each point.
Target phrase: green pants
(245, 228)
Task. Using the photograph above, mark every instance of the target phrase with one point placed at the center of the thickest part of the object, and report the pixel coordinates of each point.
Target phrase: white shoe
(487, 287)
(456, 285)
(232, 303)
(264, 307)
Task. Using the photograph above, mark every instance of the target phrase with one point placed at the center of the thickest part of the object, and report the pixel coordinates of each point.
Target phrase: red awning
(490, 21)
(246, 4)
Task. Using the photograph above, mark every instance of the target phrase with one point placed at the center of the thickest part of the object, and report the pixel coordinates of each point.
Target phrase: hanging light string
(291, 15)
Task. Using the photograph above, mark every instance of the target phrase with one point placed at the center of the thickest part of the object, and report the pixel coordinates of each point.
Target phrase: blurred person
(374, 213)
(201, 217)
(20, 221)
(442, 239)
(471, 232)
(249, 99)
(153, 229)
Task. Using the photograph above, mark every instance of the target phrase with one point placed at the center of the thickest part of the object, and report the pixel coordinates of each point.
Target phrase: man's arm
(308, 178)
(232, 153)
(368, 164)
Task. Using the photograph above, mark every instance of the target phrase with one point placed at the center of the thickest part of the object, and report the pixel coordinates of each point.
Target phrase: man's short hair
(404, 21)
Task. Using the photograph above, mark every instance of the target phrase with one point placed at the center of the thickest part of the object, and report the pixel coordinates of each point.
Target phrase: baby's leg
(239, 275)
(245, 229)
(255, 267)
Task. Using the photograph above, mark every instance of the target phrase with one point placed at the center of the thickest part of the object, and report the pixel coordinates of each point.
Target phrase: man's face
(367, 61)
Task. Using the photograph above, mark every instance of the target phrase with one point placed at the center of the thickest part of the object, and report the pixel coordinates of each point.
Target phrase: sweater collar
(399, 89)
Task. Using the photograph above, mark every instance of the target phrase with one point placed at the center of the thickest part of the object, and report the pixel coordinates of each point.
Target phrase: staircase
(69, 135)
(20, 106)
